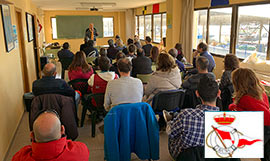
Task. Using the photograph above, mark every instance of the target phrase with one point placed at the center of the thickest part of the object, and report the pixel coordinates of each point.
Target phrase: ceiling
(86, 4)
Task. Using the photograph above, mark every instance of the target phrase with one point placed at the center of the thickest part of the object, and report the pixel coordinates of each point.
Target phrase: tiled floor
(95, 145)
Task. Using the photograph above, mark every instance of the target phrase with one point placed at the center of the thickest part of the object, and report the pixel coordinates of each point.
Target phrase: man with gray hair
(50, 143)
(49, 85)
(173, 52)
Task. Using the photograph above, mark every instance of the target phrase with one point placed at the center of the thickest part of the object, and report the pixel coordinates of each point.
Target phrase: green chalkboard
(73, 27)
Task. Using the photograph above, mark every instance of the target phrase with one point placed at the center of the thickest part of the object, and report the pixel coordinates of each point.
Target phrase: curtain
(186, 31)
(130, 23)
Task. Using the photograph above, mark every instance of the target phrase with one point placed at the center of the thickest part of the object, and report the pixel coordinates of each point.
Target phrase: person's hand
(195, 53)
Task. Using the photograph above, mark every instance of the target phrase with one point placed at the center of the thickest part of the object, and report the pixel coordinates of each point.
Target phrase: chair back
(65, 62)
(80, 85)
(191, 100)
(144, 77)
(98, 100)
(90, 60)
(168, 100)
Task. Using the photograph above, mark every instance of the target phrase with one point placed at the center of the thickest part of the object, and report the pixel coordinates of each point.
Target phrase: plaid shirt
(187, 129)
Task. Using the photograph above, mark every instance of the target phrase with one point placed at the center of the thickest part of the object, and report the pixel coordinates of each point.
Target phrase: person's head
(208, 90)
(130, 41)
(131, 49)
(103, 52)
(117, 37)
(79, 60)
(47, 127)
(202, 47)
(90, 43)
(91, 26)
(178, 47)
(49, 70)
(140, 52)
(110, 42)
(124, 66)
(154, 53)
(66, 45)
(120, 55)
(119, 42)
(165, 62)
(245, 82)
(202, 64)
(136, 38)
(173, 52)
(164, 41)
(148, 39)
(104, 63)
(231, 62)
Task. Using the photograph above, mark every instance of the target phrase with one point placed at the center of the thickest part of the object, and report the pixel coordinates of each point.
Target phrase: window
(108, 27)
(220, 30)
(253, 30)
(54, 28)
(164, 24)
(148, 25)
(141, 27)
(199, 27)
(249, 23)
(136, 26)
(157, 28)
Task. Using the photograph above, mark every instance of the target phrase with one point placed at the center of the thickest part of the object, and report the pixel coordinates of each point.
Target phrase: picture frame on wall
(29, 24)
(7, 26)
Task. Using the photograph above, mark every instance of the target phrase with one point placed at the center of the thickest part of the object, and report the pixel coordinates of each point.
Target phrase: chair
(197, 154)
(144, 77)
(80, 85)
(191, 100)
(95, 110)
(226, 97)
(90, 60)
(131, 128)
(65, 62)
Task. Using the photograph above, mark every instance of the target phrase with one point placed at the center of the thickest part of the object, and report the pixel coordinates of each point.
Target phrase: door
(22, 51)
(36, 48)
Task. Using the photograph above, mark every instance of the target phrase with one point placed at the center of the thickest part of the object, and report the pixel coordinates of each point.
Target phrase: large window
(108, 27)
(220, 30)
(136, 26)
(249, 25)
(153, 25)
(253, 30)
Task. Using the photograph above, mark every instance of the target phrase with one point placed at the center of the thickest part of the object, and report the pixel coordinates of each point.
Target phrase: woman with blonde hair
(79, 68)
(249, 94)
(167, 77)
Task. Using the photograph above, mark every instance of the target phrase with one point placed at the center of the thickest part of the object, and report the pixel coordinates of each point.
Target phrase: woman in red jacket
(79, 68)
(249, 94)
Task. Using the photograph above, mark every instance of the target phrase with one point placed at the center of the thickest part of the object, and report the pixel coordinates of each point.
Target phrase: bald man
(49, 85)
(49, 142)
(91, 33)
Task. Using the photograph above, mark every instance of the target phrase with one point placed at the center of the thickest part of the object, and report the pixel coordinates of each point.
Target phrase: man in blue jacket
(202, 51)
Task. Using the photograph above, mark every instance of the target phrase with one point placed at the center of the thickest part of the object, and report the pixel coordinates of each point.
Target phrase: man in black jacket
(141, 64)
(147, 48)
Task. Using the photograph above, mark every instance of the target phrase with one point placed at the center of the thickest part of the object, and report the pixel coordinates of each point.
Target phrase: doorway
(21, 42)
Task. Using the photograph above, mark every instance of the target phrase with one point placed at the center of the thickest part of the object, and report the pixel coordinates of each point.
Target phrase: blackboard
(73, 27)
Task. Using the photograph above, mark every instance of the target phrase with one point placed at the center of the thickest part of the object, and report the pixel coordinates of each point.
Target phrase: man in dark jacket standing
(141, 64)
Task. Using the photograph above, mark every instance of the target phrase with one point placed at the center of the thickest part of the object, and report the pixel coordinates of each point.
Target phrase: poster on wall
(29, 22)
(7, 26)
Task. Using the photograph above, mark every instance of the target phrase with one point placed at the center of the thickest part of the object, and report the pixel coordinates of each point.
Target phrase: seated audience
(202, 51)
(154, 54)
(84, 45)
(102, 53)
(119, 45)
(249, 94)
(137, 42)
(49, 85)
(114, 68)
(111, 51)
(125, 89)
(202, 65)
(129, 42)
(147, 48)
(131, 52)
(117, 37)
(186, 129)
(231, 63)
(99, 81)
(50, 143)
(65, 52)
(173, 53)
(89, 49)
(141, 64)
(79, 68)
(167, 77)
(180, 56)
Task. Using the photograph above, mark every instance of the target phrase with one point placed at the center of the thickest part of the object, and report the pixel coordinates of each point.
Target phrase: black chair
(197, 154)
(226, 97)
(65, 62)
(191, 100)
(80, 85)
(96, 110)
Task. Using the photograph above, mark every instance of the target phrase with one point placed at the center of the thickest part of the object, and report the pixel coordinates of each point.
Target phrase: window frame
(113, 27)
(51, 18)
(152, 25)
(234, 23)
